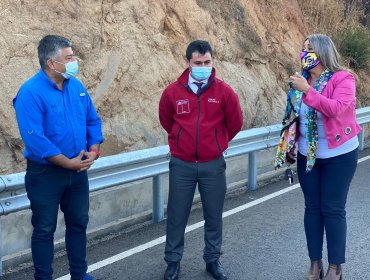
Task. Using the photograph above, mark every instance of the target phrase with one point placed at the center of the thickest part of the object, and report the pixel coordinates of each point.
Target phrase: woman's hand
(299, 82)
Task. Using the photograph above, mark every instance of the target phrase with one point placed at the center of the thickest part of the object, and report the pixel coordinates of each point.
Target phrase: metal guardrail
(152, 163)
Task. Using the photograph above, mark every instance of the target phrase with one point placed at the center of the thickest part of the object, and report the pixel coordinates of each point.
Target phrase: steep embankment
(130, 50)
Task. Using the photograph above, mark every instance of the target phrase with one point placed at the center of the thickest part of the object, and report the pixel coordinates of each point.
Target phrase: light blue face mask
(201, 73)
(71, 69)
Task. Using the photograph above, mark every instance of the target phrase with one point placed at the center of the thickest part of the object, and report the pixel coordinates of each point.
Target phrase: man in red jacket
(201, 115)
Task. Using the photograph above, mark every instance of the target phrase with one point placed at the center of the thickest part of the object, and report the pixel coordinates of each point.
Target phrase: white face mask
(71, 69)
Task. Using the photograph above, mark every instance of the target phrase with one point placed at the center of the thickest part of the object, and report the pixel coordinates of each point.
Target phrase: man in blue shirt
(62, 133)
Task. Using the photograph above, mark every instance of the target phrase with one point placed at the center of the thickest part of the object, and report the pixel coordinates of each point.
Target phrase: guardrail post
(158, 199)
(252, 170)
(1, 251)
(361, 138)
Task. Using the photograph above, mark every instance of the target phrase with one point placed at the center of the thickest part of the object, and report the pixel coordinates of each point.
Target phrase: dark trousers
(183, 178)
(325, 191)
(48, 187)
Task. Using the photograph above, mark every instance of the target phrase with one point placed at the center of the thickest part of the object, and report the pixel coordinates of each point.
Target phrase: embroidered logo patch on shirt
(82, 94)
(213, 100)
(183, 106)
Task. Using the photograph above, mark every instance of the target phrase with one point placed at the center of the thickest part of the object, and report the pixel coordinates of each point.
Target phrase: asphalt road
(263, 239)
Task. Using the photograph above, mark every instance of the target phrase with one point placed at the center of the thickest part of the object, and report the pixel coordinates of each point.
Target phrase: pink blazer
(337, 104)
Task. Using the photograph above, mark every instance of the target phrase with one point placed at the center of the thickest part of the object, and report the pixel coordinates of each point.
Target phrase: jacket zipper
(178, 137)
(218, 144)
(196, 132)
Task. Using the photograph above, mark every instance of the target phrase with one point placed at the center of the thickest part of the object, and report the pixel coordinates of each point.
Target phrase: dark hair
(49, 47)
(198, 46)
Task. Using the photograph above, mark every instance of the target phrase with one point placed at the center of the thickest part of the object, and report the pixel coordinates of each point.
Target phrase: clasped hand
(83, 161)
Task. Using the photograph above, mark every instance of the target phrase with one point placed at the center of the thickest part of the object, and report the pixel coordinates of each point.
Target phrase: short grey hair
(326, 50)
(50, 47)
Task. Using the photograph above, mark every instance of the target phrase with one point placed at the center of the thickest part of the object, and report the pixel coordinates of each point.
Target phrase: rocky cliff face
(131, 49)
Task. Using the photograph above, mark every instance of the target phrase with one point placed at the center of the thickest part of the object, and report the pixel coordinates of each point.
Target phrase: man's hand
(87, 159)
(92, 155)
(79, 163)
(83, 161)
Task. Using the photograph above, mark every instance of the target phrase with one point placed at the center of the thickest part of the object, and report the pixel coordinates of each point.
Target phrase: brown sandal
(334, 272)
(316, 271)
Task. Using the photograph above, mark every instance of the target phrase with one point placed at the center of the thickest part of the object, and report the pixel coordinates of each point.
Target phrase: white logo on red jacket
(213, 100)
(183, 106)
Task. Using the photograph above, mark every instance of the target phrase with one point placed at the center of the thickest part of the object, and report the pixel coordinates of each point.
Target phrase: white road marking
(363, 159)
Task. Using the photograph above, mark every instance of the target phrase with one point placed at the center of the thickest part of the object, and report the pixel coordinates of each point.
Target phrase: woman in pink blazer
(327, 150)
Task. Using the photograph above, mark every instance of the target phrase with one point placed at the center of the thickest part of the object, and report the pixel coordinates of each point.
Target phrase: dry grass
(330, 16)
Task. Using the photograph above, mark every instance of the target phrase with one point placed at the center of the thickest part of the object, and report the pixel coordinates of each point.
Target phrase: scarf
(287, 148)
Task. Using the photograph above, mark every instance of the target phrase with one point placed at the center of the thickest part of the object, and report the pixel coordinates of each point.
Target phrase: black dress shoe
(216, 270)
(172, 271)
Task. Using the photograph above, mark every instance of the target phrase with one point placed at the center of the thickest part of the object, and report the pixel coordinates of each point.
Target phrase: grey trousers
(183, 179)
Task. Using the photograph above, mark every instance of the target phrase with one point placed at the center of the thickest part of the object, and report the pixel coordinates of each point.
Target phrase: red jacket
(199, 126)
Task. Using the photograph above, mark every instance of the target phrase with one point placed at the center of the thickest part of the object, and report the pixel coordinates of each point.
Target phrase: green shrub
(354, 45)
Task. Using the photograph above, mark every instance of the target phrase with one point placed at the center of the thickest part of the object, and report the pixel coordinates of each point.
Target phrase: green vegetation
(354, 45)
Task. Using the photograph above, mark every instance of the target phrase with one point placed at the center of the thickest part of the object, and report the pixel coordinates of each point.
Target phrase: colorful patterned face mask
(309, 60)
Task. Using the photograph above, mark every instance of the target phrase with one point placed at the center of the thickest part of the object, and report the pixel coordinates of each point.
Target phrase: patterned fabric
(309, 60)
(312, 134)
(287, 148)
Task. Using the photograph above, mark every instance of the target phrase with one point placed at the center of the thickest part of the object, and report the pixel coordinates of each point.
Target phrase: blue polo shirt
(53, 122)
